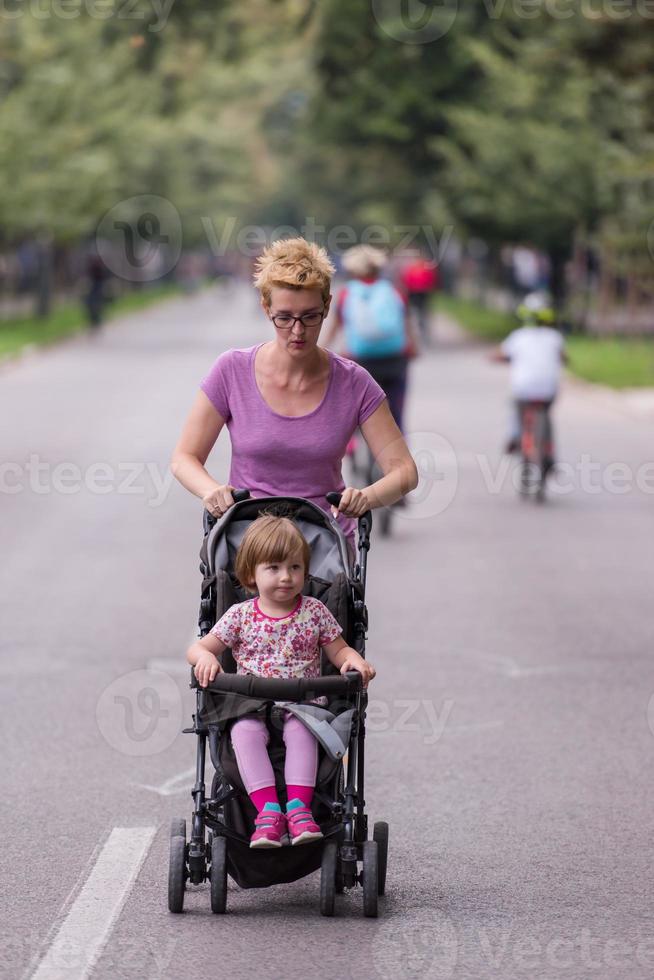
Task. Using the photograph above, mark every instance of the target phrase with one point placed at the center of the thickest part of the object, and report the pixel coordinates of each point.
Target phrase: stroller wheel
(370, 879)
(328, 878)
(178, 827)
(218, 875)
(380, 835)
(177, 874)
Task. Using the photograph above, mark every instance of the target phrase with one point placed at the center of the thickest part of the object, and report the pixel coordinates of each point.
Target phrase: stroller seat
(228, 814)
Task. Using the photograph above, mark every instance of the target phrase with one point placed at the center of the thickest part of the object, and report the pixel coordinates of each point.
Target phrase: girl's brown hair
(269, 539)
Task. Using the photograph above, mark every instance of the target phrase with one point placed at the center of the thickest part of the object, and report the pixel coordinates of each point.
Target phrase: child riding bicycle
(535, 352)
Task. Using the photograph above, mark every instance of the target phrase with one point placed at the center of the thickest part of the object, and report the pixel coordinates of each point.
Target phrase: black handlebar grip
(365, 521)
(208, 520)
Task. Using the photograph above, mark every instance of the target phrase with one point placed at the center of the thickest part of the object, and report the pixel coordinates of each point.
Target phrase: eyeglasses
(284, 321)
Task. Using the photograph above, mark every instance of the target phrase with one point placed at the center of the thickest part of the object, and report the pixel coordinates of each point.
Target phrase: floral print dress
(270, 646)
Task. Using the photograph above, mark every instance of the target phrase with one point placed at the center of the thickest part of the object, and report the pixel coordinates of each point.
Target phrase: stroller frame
(345, 842)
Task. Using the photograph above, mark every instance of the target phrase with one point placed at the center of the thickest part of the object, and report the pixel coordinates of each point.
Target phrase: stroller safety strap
(331, 731)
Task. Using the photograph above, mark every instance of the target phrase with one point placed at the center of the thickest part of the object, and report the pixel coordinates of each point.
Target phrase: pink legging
(250, 739)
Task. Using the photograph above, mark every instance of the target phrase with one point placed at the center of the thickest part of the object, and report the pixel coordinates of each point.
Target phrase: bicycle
(535, 448)
(365, 471)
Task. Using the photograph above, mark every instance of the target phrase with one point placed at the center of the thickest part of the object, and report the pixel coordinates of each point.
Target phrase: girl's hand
(206, 668)
(354, 503)
(355, 661)
(218, 500)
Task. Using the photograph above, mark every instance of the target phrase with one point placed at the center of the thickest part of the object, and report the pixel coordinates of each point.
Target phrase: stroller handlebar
(333, 498)
(209, 520)
(287, 689)
(365, 521)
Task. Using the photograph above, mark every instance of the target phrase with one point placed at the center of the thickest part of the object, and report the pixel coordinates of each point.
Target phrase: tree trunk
(43, 297)
(558, 257)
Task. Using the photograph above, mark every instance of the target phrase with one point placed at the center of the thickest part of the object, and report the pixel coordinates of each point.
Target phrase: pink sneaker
(301, 825)
(270, 826)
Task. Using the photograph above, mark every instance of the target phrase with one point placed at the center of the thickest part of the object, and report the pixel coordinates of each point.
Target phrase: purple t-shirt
(290, 456)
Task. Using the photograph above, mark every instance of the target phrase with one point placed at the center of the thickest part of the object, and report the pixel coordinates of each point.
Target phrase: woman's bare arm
(387, 445)
(200, 432)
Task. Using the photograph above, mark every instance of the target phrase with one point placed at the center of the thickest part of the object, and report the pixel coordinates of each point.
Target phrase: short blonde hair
(361, 261)
(269, 538)
(293, 263)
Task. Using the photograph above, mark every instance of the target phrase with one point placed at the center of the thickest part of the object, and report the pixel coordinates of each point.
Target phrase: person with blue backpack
(374, 319)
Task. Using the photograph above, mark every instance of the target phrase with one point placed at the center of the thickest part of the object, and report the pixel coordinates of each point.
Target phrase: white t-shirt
(535, 354)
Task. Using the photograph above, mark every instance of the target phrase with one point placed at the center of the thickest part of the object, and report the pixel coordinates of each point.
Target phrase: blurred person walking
(378, 335)
(420, 281)
(95, 298)
(377, 331)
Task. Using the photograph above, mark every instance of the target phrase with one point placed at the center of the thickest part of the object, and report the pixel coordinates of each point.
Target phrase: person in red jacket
(420, 279)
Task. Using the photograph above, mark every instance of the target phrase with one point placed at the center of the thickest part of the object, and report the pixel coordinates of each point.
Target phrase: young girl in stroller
(279, 634)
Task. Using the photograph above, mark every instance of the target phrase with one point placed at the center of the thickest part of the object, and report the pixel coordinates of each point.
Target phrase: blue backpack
(373, 319)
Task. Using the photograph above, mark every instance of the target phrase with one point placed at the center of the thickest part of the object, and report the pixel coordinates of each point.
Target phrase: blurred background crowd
(153, 144)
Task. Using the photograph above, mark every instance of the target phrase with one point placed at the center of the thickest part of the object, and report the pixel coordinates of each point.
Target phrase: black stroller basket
(222, 822)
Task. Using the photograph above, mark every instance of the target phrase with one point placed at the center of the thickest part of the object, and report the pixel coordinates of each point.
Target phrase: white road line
(181, 783)
(85, 930)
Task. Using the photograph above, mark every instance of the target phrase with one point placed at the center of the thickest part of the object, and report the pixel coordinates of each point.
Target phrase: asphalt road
(511, 729)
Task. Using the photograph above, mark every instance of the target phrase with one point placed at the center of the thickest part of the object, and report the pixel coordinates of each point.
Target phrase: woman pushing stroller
(279, 634)
(290, 406)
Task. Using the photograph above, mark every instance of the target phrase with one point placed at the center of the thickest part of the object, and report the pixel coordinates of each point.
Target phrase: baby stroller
(222, 824)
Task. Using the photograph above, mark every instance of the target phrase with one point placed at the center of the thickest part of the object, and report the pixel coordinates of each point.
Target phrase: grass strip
(619, 362)
(71, 318)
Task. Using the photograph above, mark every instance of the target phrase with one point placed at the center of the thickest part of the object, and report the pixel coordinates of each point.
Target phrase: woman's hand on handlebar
(354, 503)
(218, 500)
